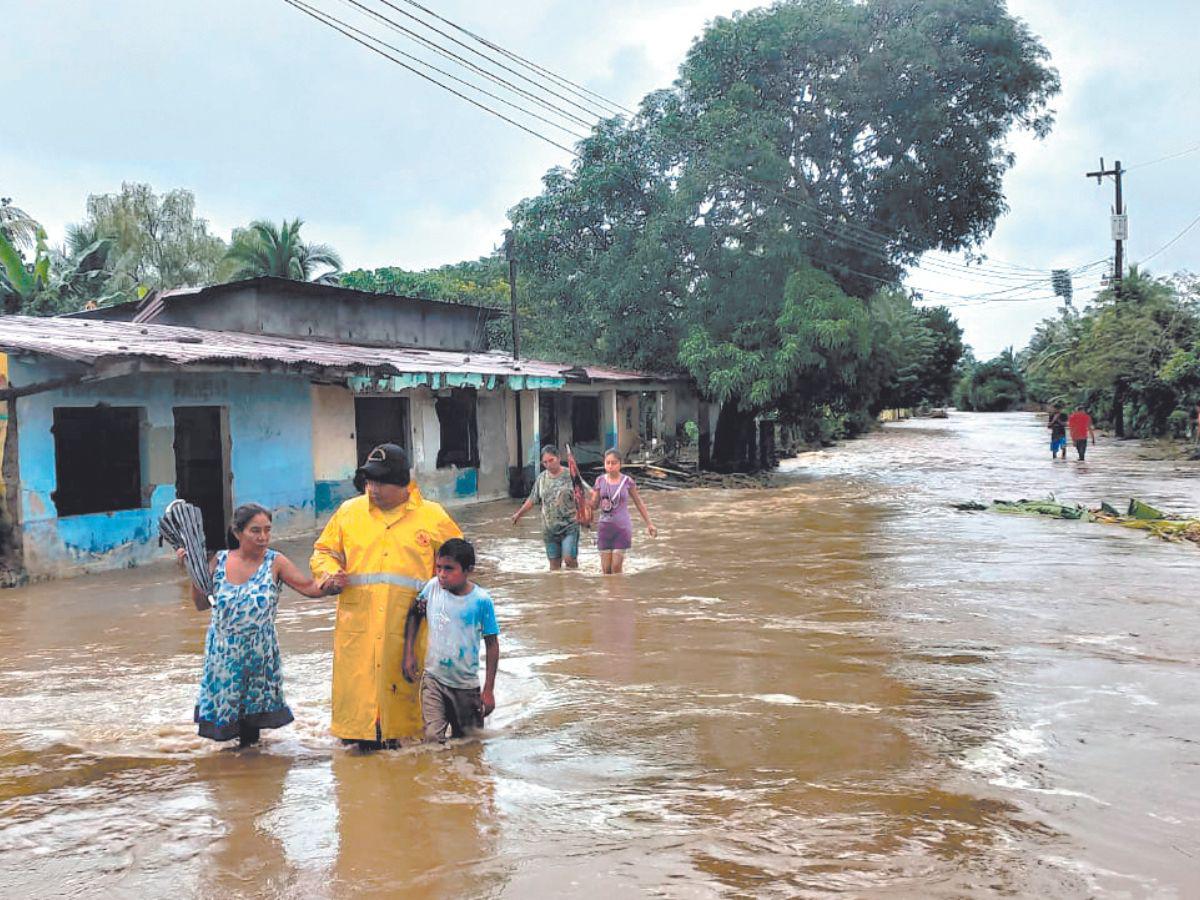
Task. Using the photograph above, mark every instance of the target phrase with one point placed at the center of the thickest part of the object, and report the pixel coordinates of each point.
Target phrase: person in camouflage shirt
(554, 490)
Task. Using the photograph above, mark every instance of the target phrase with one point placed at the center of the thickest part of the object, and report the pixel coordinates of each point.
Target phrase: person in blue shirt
(460, 613)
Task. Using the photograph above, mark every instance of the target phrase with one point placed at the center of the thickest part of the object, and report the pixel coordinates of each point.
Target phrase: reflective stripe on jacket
(388, 556)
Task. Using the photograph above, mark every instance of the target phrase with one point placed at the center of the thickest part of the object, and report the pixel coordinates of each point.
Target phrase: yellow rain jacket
(388, 556)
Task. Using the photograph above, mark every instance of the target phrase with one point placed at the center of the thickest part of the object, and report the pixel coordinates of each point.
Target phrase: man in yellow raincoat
(380, 546)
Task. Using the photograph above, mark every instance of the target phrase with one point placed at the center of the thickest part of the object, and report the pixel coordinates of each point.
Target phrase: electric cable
(1163, 159)
(1171, 242)
(449, 54)
(509, 69)
(420, 74)
(516, 57)
(319, 13)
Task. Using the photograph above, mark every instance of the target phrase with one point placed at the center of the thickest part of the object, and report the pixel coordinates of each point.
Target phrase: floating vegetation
(1139, 515)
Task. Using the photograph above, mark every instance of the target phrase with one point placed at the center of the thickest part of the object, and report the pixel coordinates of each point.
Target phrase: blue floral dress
(242, 688)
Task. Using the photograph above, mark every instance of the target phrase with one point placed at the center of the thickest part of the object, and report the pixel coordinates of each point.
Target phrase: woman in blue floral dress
(242, 688)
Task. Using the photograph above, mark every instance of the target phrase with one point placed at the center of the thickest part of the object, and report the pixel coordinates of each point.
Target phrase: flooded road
(837, 686)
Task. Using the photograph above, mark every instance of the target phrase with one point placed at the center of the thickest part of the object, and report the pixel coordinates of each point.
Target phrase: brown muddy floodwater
(837, 686)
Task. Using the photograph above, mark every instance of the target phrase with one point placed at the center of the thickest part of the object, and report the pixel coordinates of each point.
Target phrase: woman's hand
(333, 584)
(180, 555)
(653, 531)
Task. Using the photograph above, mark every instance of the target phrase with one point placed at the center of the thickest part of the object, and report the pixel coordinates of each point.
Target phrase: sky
(264, 113)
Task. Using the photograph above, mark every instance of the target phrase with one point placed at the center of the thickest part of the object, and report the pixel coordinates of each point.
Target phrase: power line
(440, 71)
(449, 54)
(516, 57)
(1190, 226)
(492, 60)
(1166, 158)
(319, 17)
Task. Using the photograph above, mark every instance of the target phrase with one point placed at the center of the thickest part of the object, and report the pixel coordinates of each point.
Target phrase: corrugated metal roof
(90, 341)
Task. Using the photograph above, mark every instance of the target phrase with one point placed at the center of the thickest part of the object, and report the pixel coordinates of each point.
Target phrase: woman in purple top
(614, 529)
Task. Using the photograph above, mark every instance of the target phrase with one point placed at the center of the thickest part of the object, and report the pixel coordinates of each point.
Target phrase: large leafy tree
(812, 136)
(157, 240)
(266, 249)
(874, 131)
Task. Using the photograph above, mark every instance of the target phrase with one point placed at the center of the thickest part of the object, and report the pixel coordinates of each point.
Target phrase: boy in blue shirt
(459, 613)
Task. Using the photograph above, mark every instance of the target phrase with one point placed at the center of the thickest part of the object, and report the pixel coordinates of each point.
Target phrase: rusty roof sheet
(90, 341)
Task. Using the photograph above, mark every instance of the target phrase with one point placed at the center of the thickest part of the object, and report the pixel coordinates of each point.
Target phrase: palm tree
(263, 249)
(17, 226)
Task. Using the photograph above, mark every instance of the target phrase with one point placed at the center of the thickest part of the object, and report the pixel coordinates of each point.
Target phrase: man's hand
(515, 517)
(488, 700)
(409, 667)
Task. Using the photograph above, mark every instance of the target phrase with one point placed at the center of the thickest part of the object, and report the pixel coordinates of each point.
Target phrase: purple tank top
(614, 499)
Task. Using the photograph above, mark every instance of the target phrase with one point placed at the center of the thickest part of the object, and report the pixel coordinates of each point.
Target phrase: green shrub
(1178, 423)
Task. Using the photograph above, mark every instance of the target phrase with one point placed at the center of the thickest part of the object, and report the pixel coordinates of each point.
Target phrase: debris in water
(1139, 515)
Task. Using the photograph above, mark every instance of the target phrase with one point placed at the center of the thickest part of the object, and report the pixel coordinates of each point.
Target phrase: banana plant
(19, 283)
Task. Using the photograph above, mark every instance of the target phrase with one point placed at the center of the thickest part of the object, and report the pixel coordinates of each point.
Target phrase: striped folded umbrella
(182, 525)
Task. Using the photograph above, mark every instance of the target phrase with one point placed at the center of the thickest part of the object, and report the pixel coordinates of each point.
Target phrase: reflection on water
(839, 685)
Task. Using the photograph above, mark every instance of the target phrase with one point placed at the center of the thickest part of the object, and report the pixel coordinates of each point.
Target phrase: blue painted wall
(329, 495)
(270, 425)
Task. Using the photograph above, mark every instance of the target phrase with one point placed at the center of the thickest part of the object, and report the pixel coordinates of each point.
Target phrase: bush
(1178, 423)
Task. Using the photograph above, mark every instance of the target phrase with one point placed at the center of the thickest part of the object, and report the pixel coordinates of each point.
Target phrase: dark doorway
(380, 420)
(585, 419)
(202, 467)
(548, 418)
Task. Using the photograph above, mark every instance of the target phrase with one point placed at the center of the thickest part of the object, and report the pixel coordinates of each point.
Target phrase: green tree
(790, 132)
(20, 284)
(993, 386)
(264, 249)
(157, 241)
(17, 226)
(937, 375)
(56, 281)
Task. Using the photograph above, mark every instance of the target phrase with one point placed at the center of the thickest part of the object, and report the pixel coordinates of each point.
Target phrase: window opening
(460, 432)
(97, 459)
(380, 420)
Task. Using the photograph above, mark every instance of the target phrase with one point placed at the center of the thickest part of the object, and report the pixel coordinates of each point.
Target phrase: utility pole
(1120, 223)
(517, 486)
(512, 292)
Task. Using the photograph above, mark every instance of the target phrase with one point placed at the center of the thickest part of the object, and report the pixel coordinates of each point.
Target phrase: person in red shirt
(1079, 425)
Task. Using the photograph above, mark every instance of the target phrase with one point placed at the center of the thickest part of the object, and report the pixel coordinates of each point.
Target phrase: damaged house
(274, 391)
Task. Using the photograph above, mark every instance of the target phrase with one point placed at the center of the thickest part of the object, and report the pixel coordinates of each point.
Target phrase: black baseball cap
(387, 463)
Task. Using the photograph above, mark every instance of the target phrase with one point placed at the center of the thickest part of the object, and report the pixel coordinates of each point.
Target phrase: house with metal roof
(274, 391)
